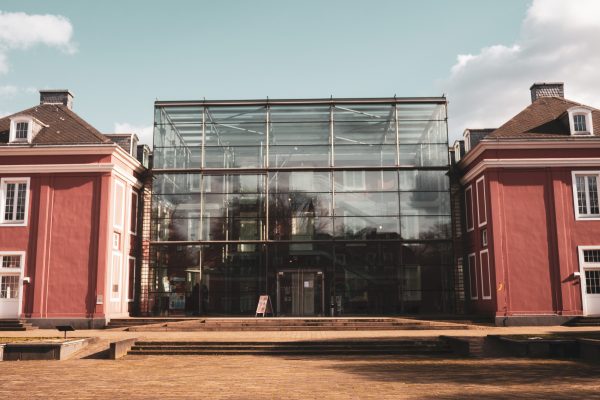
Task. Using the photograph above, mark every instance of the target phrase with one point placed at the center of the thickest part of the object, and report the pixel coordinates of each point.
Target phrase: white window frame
(119, 223)
(483, 296)
(12, 136)
(582, 265)
(587, 113)
(471, 277)
(481, 223)
(15, 271)
(468, 199)
(3, 183)
(116, 296)
(584, 217)
(133, 229)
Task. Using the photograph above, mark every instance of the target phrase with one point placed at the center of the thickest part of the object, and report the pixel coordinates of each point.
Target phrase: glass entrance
(300, 293)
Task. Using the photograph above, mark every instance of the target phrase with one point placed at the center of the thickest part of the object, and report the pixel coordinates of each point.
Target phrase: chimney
(58, 96)
(547, 89)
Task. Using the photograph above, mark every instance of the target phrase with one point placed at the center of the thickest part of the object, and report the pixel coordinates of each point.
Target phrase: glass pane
(299, 133)
(299, 156)
(365, 204)
(424, 180)
(288, 204)
(177, 157)
(425, 203)
(377, 131)
(423, 155)
(365, 155)
(356, 181)
(425, 227)
(366, 227)
(413, 131)
(299, 181)
(234, 157)
(301, 227)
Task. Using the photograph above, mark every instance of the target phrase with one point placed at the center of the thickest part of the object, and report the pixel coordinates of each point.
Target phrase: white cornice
(528, 163)
(103, 149)
(30, 150)
(28, 169)
(567, 143)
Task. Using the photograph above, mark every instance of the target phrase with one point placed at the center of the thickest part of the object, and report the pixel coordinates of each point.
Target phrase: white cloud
(20, 31)
(557, 42)
(144, 133)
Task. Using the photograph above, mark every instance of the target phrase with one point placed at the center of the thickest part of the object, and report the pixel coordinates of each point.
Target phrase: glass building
(329, 206)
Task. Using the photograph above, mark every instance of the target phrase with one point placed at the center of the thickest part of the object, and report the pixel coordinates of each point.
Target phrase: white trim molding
(583, 266)
(528, 163)
(469, 200)
(584, 217)
(119, 223)
(14, 271)
(483, 296)
(581, 142)
(471, 277)
(479, 223)
(16, 180)
(116, 170)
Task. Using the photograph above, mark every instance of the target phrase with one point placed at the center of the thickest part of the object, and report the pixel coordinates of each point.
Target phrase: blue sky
(118, 57)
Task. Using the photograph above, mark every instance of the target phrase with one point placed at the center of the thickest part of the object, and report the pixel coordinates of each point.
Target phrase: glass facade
(331, 207)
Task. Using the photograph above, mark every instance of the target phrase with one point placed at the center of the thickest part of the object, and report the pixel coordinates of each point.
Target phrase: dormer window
(21, 130)
(580, 121)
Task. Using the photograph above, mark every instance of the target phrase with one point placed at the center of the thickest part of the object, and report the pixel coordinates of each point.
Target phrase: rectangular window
(10, 261)
(21, 130)
(469, 217)
(484, 264)
(586, 195)
(14, 193)
(592, 281)
(9, 287)
(579, 123)
(473, 276)
(481, 202)
(134, 211)
(591, 256)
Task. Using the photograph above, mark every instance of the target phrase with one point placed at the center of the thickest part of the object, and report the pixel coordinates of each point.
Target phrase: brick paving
(300, 377)
(254, 377)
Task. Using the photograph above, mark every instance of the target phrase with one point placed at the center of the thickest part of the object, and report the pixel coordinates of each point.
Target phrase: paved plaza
(299, 377)
(264, 377)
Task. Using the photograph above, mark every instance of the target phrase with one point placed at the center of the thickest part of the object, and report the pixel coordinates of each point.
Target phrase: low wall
(42, 351)
(77, 323)
(120, 348)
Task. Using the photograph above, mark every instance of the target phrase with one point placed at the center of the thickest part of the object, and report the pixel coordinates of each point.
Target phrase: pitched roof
(542, 119)
(61, 126)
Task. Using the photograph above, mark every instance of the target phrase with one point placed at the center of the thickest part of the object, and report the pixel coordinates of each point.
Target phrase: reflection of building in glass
(341, 202)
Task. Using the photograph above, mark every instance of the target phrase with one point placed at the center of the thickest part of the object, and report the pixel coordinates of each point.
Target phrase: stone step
(291, 348)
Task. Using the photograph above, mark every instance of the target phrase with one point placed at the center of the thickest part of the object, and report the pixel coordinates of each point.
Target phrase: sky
(118, 57)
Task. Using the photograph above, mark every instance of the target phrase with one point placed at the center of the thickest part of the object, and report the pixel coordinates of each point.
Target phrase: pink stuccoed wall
(67, 242)
(532, 241)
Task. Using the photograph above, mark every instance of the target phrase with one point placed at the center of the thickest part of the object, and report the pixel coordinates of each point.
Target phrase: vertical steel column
(201, 290)
(397, 135)
(266, 179)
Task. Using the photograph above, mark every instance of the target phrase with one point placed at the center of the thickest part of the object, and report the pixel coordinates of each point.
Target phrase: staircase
(416, 346)
(128, 322)
(584, 321)
(293, 324)
(15, 325)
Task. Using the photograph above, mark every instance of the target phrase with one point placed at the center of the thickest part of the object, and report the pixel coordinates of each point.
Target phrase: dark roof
(62, 126)
(543, 119)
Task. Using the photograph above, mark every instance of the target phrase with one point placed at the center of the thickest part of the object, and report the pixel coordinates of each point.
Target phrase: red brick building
(531, 234)
(68, 217)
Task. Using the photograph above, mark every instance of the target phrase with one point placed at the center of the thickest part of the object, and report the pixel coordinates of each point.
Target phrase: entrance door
(589, 261)
(11, 284)
(300, 293)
